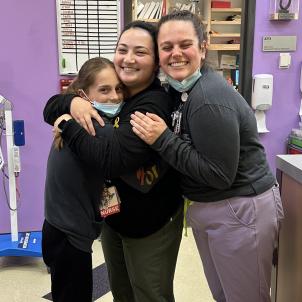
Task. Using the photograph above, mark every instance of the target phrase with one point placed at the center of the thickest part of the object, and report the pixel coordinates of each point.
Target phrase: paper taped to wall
(86, 29)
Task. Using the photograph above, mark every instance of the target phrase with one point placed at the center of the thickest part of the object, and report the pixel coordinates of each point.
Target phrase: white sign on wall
(279, 43)
(86, 29)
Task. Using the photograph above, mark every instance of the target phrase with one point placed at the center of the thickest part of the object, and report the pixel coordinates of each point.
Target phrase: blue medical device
(16, 243)
(19, 135)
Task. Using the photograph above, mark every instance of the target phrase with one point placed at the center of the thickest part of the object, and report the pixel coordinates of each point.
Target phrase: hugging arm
(148, 127)
(211, 156)
(80, 109)
(56, 106)
(123, 150)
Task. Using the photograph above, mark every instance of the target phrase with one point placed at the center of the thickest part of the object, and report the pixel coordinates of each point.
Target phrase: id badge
(110, 203)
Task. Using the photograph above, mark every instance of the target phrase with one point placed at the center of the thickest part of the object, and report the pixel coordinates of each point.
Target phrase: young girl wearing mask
(73, 192)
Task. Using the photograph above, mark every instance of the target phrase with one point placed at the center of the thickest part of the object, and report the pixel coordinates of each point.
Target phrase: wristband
(62, 124)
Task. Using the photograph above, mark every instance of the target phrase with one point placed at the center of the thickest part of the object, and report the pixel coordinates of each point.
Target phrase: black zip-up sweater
(141, 213)
(218, 152)
(73, 194)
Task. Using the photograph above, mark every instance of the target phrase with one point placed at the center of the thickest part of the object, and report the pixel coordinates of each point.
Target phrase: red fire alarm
(64, 83)
(220, 4)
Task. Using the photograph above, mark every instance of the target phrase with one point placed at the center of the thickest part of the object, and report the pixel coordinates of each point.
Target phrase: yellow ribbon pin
(116, 121)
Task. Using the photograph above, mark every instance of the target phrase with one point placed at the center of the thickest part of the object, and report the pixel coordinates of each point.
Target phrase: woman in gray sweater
(235, 205)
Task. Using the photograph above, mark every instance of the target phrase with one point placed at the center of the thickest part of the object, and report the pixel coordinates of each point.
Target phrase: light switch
(284, 60)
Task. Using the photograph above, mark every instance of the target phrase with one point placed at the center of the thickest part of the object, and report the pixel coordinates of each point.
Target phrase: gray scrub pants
(235, 238)
(142, 269)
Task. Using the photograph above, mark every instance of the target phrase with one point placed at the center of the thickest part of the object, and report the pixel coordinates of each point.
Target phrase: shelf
(215, 20)
(224, 47)
(226, 10)
(225, 22)
(225, 35)
(229, 68)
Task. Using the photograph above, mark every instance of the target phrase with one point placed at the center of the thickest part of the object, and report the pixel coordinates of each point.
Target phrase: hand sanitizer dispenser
(262, 96)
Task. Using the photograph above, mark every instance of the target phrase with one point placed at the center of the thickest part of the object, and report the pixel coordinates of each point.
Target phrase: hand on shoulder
(82, 111)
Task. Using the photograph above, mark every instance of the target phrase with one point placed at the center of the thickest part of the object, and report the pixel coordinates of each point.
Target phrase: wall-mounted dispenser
(284, 9)
(262, 96)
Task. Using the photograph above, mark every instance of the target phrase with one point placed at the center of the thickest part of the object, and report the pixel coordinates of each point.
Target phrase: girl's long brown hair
(85, 78)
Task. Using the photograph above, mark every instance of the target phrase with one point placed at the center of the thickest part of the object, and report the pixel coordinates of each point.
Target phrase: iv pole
(17, 244)
(11, 176)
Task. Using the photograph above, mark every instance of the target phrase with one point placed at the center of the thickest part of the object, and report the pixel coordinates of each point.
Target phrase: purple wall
(29, 76)
(283, 115)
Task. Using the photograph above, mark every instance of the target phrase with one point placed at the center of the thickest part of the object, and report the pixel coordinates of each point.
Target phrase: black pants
(70, 268)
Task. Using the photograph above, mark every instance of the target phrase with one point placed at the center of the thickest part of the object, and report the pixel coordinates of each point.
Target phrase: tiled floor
(26, 279)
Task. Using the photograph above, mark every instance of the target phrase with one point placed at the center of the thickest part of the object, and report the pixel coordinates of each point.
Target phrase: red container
(64, 83)
(220, 4)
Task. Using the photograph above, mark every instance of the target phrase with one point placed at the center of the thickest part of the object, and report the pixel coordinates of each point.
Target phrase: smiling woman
(135, 60)
(180, 50)
(141, 242)
(232, 192)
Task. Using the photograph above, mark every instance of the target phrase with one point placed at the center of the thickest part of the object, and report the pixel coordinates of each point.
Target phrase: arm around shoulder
(56, 106)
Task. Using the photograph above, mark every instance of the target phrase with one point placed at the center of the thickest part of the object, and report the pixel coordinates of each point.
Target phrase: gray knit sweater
(218, 151)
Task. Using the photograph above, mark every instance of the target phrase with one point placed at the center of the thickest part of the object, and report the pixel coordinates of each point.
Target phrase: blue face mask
(109, 109)
(185, 84)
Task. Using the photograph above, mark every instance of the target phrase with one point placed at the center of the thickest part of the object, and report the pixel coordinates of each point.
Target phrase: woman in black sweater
(141, 242)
